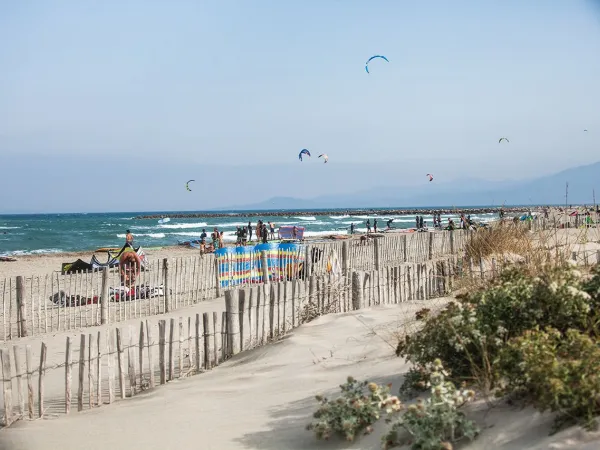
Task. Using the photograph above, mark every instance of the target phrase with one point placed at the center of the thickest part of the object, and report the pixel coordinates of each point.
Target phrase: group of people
(263, 232)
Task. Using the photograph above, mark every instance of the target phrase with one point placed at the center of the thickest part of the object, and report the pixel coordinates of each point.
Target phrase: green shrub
(416, 380)
(556, 371)
(358, 408)
(437, 422)
(468, 334)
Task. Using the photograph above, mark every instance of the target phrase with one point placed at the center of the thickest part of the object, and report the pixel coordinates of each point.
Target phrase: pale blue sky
(253, 82)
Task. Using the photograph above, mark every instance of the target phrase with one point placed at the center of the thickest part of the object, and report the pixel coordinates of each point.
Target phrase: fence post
(232, 306)
(357, 290)
(218, 290)
(405, 249)
(376, 253)
(264, 267)
(451, 241)
(21, 322)
(307, 263)
(345, 257)
(430, 252)
(104, 297)
(166, 284)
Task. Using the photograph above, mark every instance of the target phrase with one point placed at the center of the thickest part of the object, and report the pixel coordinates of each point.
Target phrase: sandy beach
(263, 399)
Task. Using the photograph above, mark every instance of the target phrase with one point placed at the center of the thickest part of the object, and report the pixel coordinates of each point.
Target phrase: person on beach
(258, 229)
(215, 238)
(264, 233)
(389, 224)
(368, 225)
(249, 231)
(294, 232)
(375, 225)
(203, 234)
(417, 222)
(272, 230)
(129, 239)
(352, 228)
(238, 236)
(221, 240)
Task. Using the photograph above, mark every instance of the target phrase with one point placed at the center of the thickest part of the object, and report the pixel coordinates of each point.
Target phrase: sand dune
(263, 399)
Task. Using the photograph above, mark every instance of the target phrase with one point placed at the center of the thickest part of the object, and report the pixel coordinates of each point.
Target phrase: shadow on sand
(287, 429)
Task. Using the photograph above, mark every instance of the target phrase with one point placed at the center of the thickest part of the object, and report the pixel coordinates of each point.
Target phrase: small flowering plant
(358, 408)
(435, 423)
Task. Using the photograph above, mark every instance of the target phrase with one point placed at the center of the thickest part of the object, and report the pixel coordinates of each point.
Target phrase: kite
(324, 156)
(187, 185)
(584, 130)
(303, 152)
(430, 177)
(373, 57)
(503, 139)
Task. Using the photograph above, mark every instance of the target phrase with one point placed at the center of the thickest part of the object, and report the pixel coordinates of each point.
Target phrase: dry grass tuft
(501, 239)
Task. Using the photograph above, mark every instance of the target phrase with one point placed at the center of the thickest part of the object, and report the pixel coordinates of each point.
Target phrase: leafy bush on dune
(359, 407)
(491, 337)
(436, 423)
(470, 332)
(556, 371)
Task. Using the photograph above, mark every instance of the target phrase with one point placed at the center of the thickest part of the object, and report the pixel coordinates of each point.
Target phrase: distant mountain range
(582, 181)
(97, 183)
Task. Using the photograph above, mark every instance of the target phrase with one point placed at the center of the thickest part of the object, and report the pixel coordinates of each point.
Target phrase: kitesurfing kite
(503, 139)
(584, 130)
(324, 156)
(303, 152)
(373, 57)
(430, 176)
(187, 185)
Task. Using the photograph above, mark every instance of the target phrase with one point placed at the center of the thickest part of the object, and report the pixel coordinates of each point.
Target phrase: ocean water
(56, 233)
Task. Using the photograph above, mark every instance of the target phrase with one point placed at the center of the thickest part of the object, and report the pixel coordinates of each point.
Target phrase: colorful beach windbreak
(243, 265)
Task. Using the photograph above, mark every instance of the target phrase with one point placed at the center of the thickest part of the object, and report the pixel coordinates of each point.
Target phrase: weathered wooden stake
(131, 362)
(171, 354)
(206, 326)
(21, 318)
(215, 341)
(81, 373)
(120, 364)
(150, 354)
(180, 359)
(141, 354)
(43, 351)
(264, 267)
(19, 375)
(167, 296)
(91, 370)
(197, 342)
(29, 367)
(233, 322)
(104, 297)
(162, 325)
(68, 377)
(7, 385)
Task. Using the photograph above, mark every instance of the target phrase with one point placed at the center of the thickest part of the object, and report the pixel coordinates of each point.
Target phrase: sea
(57, 233)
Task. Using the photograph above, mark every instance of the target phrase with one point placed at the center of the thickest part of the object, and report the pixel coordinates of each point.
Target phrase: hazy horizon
(115, 104)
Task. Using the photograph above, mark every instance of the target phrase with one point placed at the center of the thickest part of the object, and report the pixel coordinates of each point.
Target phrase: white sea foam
(306, 218)
(9, 228)
(183, 225)
(151, 235)
(39, 251)
(345, 216)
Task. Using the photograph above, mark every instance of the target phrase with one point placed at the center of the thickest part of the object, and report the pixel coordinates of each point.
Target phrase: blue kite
(303, 152)
(373, 57)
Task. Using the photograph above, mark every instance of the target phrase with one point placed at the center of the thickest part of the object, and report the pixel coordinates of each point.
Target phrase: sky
(192, 86)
